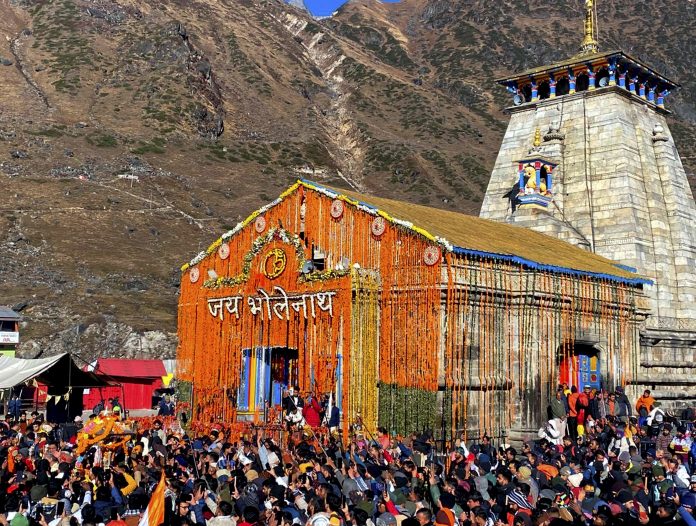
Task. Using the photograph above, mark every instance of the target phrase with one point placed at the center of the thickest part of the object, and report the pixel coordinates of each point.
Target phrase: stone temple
(588, 158)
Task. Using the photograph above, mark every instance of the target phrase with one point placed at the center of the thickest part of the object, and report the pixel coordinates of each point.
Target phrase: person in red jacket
(573, 413)
(582, 405)
(311, 411)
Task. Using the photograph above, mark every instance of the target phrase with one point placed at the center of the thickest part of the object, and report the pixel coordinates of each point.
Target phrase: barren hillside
(133, 132)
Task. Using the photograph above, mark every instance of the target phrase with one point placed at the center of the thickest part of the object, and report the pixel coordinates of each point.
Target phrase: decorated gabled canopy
(595, 61)
(461, 234)
(609, 70)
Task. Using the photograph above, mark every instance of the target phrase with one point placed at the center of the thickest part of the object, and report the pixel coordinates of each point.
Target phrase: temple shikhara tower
(588, 158)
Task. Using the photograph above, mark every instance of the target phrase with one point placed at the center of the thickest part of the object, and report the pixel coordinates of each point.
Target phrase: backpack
(98, 408)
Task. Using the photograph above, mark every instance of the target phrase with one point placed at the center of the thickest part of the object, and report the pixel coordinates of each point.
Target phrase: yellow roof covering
(489, 238)
(464, 234)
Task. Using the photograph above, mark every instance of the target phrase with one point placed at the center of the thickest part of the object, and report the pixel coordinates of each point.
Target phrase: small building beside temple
(411, 317)
(9, 331)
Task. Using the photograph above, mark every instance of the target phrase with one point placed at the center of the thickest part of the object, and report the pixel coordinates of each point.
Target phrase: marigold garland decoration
(101, 431)
(413, 334)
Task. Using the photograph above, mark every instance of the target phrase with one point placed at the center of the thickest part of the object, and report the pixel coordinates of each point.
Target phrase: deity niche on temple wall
(531, 185)
(534, 185)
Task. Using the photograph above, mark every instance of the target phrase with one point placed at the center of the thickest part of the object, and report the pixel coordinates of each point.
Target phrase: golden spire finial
(589, 43)
(537, 138)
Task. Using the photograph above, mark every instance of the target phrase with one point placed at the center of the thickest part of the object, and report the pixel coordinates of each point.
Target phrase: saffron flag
(154, 514)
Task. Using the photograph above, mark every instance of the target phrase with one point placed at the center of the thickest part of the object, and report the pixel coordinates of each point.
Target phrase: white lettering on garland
(278, 305)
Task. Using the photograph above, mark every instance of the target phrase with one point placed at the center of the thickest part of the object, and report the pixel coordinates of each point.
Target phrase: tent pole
(123, 404)
(70, 366)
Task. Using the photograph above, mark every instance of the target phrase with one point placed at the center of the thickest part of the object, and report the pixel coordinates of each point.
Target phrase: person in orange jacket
(644, 405)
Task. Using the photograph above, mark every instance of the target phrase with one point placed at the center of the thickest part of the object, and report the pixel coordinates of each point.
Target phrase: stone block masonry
(620, 190)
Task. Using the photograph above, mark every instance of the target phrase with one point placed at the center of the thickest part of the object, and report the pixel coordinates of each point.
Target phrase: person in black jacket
(623, 405)
(166, 406)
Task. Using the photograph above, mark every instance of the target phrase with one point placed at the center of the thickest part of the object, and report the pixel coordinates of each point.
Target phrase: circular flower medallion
(431, 255)
(337, 209)
(224, 251)
(260, 224)
(379, 226)
(194, 274)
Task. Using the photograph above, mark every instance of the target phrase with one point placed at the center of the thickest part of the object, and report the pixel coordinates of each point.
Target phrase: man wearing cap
(247, 467)
(517, 504)
(655, 419)
(626, 464)
(458, 459)
(664, 439)
(524, 476)
(561, 480)
(620, 443)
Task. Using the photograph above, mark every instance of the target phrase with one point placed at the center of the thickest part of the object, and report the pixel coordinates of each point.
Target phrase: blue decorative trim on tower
(616, 63)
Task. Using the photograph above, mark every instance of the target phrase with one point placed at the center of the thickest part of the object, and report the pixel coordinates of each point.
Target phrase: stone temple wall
(619, 189)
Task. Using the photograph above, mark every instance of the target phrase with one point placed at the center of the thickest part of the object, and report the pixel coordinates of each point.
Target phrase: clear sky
(326, 7)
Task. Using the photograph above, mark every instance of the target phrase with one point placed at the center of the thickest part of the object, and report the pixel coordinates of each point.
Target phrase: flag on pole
(154, 514)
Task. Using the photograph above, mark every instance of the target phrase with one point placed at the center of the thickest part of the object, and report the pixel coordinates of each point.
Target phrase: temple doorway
(580, 367)
(266, 372)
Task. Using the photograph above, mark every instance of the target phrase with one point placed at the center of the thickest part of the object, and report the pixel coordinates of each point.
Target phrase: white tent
(59, 370)
(15, 371)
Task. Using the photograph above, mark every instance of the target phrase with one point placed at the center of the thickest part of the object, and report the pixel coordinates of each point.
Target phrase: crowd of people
(614, 471)
(577, 411)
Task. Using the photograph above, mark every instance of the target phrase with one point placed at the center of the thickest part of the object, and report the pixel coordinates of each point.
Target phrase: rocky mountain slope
(133, 132)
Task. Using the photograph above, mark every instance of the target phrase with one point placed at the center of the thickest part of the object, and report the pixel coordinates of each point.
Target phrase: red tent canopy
(138, 379)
